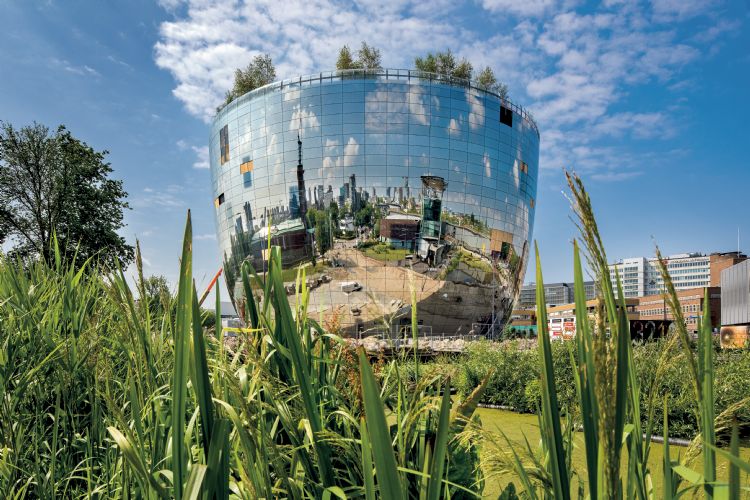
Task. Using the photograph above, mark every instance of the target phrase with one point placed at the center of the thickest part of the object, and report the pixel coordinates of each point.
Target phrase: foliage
(53, 183)
(609, 397)
(658, 365)
(365, 216)
(516, 374)
(487, 79)
(261, 71)
(102, 399)
(368, 58)
(321, 221)
(445, 64)
(383, 251)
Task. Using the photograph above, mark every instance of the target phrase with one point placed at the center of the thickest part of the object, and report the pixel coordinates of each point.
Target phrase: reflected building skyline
(351, 174)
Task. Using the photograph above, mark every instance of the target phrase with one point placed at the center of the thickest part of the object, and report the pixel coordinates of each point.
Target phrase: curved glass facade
(380, 184)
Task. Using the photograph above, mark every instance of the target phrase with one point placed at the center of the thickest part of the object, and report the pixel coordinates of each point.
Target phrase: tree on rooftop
(486, 79)
(444, 64)
(368, 57)
(258, 73)
(54, 184)
(345, 60)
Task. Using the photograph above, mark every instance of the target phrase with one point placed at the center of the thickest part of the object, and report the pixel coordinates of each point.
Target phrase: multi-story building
(393, 133)
(692, 305)
(641, 276)
(554, 293)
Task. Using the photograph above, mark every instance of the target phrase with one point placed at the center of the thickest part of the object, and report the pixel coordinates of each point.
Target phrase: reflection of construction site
(381, 303)
(464, 275)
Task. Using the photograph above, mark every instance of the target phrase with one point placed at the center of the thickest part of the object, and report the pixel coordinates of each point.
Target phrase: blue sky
(648, 101)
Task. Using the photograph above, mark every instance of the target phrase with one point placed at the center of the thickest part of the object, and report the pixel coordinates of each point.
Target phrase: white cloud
(81, 70)
(524, 8)
(201, 154)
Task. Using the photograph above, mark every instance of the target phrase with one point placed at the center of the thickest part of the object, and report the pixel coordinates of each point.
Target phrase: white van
(350, 286)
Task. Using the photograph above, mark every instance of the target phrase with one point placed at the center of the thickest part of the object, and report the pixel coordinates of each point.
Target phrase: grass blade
(180, 374)
(550, 418)
(441, 446)
(389, 482)
(368, 470)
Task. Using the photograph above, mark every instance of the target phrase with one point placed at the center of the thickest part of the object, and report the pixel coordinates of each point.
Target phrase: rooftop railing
(403, 75)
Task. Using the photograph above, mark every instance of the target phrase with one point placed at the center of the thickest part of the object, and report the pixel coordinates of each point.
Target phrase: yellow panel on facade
(246, 167)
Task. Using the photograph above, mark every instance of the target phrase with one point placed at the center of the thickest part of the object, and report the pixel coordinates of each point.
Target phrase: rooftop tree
(445, 64)
(54, 185)
(258, 73)
(368, 57)
(486, 79)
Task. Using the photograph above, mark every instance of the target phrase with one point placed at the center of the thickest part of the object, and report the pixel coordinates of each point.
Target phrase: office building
(554, 293)
(641, 276)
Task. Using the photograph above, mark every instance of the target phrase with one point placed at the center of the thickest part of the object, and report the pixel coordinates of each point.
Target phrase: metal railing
(404, 75)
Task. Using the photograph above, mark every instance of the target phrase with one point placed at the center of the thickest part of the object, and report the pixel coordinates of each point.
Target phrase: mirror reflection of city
(380, 184)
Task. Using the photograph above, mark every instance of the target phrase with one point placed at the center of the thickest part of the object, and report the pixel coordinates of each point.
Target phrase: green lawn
(290, 274)
(385, 253)
(515, 425)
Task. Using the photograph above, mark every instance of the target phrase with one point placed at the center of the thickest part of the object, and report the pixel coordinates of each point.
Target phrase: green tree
(258, 73)
(333, 210)
(54, 184)
(364, 216)
(319, 219)
(486, 79)
(428, 64)
(158, 296)
(368, 57)
(445, 64)
(345, 60)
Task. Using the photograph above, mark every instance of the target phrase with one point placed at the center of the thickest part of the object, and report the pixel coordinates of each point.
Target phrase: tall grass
(609, 400)
(107, 397)
(104, 398)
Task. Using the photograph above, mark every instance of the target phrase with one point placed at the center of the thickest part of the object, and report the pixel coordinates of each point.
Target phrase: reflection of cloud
(487, 166)
(516, 177)
(303, 119)
(350, 151)
(333, 158)
(476, 110)
(454, 128)
(378, 106)
(273, 145)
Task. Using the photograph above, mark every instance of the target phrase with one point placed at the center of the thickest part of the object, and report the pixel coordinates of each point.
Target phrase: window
(218, 201)
(506, 116)
(224, 144)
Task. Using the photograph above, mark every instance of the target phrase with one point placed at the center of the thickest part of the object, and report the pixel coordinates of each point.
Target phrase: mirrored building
(380, 184)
